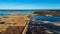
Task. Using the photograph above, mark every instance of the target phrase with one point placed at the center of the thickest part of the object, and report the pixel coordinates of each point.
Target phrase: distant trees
(47, 12)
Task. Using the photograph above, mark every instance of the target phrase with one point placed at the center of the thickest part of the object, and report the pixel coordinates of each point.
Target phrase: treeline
(48, 12)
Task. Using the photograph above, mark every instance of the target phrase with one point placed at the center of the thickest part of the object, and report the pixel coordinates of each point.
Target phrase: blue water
(50, 26)
(47, 18)
(14, 12)
(6, 13)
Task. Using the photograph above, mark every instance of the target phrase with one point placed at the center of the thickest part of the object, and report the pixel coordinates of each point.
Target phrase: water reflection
(38, 25)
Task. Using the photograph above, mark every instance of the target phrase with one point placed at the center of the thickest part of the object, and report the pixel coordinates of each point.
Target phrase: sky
(29, 4)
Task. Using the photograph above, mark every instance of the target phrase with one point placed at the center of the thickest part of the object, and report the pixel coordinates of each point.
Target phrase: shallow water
(50, 26)
(47, 18)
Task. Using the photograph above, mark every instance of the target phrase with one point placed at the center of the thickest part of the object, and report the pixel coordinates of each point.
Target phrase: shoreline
(14, 20)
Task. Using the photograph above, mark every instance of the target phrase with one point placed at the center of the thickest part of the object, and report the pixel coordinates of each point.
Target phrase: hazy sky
(29, 4)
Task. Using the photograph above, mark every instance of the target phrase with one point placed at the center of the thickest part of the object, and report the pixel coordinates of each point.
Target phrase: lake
(47, 18)
(50, 26)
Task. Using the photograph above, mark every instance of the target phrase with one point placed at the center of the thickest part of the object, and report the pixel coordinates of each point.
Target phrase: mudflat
(14, 24)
